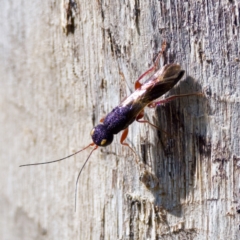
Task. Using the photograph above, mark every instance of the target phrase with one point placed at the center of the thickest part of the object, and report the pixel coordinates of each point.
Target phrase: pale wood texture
(62, 70)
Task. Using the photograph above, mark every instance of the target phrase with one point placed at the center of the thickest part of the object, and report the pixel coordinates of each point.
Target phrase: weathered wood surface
(59, 79)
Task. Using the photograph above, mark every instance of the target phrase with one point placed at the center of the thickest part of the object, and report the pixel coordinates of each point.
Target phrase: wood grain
(62, 70)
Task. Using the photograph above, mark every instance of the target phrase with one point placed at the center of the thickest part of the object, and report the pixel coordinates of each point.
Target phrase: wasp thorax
(101, 136)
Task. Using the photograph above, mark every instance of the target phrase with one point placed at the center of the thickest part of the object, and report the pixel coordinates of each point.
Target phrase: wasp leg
(123, 138)
(102, 120)
(154, 104)
(137, 83)
(155, 65)
(141, 115)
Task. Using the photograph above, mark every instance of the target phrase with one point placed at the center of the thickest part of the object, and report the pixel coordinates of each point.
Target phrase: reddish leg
(137, 83)
(155, 64)
(123, 138)
(141, 115)
(154, 104)
(102, 120)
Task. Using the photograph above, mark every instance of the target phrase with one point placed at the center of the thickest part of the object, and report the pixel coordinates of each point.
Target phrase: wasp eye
(103, 142)
(101, 136)
(92, 132)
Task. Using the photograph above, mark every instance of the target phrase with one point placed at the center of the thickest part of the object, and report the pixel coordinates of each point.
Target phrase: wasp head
(101, 136)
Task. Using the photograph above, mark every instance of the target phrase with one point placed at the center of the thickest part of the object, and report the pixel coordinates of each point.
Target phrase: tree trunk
(64, 66)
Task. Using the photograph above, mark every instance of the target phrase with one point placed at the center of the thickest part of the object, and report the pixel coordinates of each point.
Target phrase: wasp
(131, 109)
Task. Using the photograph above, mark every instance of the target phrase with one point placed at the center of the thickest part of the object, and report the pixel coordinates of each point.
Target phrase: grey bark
(65, 66)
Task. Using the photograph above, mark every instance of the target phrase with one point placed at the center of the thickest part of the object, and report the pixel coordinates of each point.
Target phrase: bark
(65, 65)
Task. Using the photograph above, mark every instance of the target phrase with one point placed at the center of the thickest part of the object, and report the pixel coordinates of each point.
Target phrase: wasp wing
(154, 87)
(161, 82)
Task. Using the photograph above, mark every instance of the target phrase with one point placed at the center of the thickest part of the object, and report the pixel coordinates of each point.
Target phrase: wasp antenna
(58, 160)
(80, 174)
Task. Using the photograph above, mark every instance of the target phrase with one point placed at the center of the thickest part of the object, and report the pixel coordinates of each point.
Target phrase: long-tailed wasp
(131, 109)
